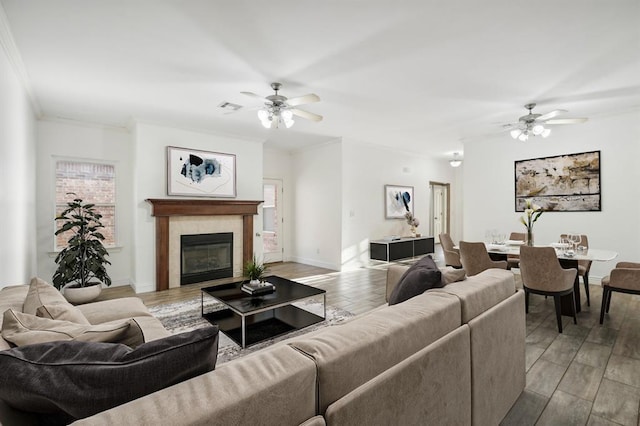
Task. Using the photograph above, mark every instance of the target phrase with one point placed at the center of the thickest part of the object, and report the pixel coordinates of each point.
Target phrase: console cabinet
(390, 250)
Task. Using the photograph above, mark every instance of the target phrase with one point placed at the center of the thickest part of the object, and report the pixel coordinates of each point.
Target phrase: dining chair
(513, 260)
(542, 274)
(625, 278)
(475, 259)
(451, 254)
(583, 266)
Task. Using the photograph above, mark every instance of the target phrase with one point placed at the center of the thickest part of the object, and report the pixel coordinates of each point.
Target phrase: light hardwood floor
(356, 291)
(590, 374)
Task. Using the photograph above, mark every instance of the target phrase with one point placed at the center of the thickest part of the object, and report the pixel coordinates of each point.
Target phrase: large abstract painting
(200, 173)
(398, 201)
(568, 183)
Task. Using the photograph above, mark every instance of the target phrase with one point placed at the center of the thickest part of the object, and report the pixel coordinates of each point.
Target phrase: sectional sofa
(453, 355)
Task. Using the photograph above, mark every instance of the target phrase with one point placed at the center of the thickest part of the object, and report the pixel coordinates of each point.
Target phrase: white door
(439, 206)
(272, 220)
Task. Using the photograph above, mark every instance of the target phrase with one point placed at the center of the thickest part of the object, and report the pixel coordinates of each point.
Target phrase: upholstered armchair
(451, 254)
(542, 274)
(513, 261)
(625, 278)
(475, 259)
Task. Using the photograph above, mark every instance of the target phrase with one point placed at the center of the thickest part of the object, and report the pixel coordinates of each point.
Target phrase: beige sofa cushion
(481, 292)
(62, 312)
(24, 329)
(452, 275)
(431, 387)
(41, 293)
(109, 310)
(273, 387)
(11, 297)
(350, 354)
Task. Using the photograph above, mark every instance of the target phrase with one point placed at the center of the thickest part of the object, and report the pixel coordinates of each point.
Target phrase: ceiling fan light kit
(534, 124)
(456, 161)
(279, 110)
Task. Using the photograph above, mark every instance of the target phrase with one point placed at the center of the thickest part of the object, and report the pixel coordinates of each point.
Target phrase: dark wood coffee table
(251, 319)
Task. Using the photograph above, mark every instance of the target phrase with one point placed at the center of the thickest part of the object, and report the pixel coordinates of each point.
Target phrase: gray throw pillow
(75, 379)
(420, 277)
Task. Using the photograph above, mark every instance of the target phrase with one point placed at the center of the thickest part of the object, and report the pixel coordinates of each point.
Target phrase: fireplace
(205, 257)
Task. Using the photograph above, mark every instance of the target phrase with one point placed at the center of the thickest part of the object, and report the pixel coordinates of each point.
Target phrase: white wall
(366, 169)
(81, 141)
(18, 171)
(277, 165)
(317, 212)
(150, 181)
(489, 186)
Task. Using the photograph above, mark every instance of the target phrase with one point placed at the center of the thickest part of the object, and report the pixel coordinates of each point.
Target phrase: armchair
(542, 274)
(451, 254)
(475, 259)
(625, 278)
(513, 261)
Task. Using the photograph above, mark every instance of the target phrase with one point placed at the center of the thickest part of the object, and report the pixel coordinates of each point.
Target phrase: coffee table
(250, 319)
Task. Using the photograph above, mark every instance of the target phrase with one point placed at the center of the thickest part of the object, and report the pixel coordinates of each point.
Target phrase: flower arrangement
(412, 221)
(532, 213)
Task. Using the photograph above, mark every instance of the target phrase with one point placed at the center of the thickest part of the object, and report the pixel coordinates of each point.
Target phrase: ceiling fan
(534, 124)
(279, 109)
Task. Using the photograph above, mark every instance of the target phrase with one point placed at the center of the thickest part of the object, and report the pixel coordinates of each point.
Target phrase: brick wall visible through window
(94, 183)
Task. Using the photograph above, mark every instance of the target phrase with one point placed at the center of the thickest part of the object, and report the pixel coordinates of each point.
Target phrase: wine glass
(575, 239)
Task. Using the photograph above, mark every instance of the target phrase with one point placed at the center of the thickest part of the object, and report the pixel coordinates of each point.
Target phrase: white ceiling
(418, 75)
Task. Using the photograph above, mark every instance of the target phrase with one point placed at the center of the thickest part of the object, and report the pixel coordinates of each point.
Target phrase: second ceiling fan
(279, 109)
(534, 124)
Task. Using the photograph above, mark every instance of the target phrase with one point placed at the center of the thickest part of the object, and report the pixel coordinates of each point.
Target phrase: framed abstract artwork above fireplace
(569, 182)
(192, 172)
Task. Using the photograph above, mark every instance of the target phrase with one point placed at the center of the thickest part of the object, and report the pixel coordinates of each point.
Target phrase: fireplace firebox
(205, 257)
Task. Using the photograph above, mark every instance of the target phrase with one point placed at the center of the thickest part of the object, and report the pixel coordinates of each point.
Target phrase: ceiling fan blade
(306, 114)
(551, 114)
(253, 95)
(566, 121)
(306, 99)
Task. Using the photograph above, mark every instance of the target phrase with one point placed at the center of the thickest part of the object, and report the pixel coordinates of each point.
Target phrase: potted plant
(82, 263)
(255, 271)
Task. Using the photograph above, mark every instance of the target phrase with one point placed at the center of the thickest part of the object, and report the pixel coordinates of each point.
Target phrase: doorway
(439, 215)
(272, 220)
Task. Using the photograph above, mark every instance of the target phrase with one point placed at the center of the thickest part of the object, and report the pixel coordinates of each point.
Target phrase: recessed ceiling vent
(229, 106)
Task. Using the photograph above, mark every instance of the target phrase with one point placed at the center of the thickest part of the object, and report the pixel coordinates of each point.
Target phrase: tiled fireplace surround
(175, 217)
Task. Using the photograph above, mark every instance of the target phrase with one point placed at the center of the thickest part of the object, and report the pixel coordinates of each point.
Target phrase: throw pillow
(420, 277)
(452, 275)
(83, 378)
(41, 293)
(62, 312)
(24, 329)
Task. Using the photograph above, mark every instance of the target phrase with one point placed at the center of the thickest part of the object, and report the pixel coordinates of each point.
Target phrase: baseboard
(314, 262)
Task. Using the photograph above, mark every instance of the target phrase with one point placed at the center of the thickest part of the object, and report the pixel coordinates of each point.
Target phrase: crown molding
(13, 55)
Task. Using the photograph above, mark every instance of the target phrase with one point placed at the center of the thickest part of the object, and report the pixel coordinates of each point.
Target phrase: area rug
(184, 316)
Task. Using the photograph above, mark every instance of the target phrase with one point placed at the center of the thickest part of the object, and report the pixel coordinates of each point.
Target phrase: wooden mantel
(164, 208)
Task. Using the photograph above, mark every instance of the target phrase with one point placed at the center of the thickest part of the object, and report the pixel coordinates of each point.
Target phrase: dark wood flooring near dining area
(589, 374)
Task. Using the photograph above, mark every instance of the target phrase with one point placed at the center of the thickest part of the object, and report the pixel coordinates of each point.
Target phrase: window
(94, 183)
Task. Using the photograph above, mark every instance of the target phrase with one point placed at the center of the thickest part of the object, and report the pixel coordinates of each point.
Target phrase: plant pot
(80, 295)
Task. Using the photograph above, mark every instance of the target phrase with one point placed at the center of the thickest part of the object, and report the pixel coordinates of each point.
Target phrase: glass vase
(530, 237)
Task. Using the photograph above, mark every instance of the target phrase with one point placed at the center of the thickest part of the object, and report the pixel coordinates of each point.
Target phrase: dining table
(567, 260)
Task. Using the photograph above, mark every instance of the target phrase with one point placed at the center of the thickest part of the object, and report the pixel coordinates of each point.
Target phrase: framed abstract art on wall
(398, 201)
(192, 172)
(569, 183)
